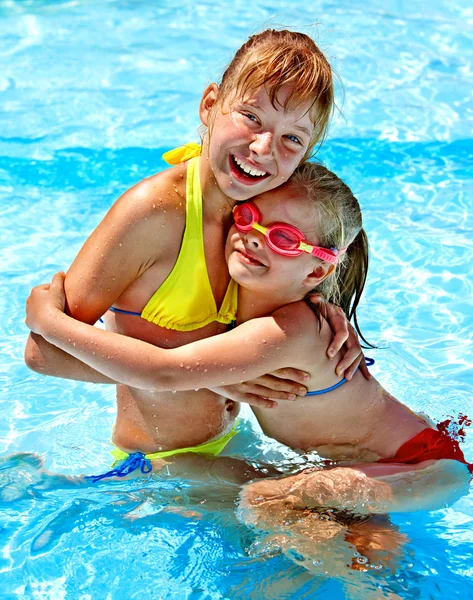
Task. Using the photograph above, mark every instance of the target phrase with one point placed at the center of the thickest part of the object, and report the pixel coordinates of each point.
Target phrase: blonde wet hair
(338, 224)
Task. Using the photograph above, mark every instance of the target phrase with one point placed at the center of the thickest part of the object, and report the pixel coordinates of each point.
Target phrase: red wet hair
(273, 59)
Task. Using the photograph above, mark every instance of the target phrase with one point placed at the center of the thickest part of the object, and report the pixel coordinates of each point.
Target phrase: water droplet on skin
(362, 560)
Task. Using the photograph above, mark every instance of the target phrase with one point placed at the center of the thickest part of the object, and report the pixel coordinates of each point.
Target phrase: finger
(258, 401)
(351, 356)
(364, 369)
(352, 368)
(337, 343)
(58, 280)
(290, 375)
(317, 299)
(274, 384)
(267, 392)
(43, 286)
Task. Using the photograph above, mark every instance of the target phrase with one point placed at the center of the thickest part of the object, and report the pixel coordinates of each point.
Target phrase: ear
(318, 274)
(209, 97)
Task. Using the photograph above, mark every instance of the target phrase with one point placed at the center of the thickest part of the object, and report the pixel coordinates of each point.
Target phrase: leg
(365, 488)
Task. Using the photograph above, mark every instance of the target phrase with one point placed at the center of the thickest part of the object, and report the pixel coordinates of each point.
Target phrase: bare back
(357, 421)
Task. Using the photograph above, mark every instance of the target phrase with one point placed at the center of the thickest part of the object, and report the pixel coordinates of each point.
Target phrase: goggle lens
(283, 238)
(243, 216)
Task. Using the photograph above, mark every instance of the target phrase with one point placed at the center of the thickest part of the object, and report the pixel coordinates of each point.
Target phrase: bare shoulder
(154, 197)
(143, 227)
(301, 325)
(145, 222)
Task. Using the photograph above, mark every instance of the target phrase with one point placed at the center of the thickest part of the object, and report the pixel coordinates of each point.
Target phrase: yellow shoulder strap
(182, 153)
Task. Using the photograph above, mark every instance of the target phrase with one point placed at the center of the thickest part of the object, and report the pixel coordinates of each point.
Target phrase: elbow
(34, 358)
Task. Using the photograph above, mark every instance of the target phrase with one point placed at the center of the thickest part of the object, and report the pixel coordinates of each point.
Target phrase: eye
(295, 139)
(251, 117)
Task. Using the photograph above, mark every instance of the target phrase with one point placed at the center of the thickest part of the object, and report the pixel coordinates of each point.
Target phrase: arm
(252, 349)
(45, 359)
(116, 253)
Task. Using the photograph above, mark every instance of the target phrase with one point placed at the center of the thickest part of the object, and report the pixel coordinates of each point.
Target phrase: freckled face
(250, 260)
(255, 147)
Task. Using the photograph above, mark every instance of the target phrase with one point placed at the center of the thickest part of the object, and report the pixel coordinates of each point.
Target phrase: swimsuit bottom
(139, 460)
(428, 444)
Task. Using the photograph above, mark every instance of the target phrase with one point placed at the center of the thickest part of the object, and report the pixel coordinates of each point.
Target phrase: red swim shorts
(429, 444)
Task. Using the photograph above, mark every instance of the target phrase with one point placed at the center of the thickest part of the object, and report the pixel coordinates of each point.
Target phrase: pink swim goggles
(281, 238)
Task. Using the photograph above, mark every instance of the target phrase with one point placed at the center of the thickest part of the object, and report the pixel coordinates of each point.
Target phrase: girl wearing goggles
(393, 459)
(282, 238)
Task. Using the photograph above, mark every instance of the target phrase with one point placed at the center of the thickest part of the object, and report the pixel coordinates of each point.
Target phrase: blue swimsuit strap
(369, 363)
(137, 460)
(123, 312)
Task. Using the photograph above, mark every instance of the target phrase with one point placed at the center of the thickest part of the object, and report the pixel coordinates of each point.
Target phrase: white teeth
(248, 169)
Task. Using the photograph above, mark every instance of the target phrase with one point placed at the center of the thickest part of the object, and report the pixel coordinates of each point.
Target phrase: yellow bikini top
(185, 300)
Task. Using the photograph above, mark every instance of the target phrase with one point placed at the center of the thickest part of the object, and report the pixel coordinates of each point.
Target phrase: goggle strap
(319, 253)
(259, 227)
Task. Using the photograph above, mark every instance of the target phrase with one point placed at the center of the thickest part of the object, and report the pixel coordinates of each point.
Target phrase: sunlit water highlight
(91, 95)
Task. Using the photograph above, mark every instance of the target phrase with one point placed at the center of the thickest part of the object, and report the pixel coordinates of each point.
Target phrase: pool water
(91, 95)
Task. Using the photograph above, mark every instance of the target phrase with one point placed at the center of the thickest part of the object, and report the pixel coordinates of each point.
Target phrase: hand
(44, 303)
(344, 337)
(282, 384)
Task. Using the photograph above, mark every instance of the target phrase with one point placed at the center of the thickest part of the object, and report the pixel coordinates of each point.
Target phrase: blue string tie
(135, 461)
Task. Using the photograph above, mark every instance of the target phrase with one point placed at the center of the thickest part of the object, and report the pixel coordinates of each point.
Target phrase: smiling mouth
(249, 259)
(246, 170)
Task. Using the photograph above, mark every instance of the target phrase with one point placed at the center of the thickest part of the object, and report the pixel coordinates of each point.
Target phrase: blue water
(91, 93)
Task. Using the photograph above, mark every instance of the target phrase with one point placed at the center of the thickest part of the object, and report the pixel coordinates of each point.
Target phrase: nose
(262, 145)
(253, 238)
